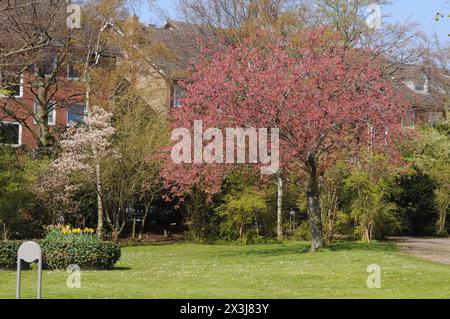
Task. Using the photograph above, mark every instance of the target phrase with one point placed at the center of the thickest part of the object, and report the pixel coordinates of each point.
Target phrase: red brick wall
(68, 93)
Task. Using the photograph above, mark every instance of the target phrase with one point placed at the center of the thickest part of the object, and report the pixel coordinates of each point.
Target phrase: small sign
(29, 252)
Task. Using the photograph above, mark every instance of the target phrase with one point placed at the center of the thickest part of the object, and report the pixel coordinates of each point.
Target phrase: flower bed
(65, 246)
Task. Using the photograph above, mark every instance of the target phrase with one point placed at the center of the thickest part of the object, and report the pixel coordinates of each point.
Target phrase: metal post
(39, 287)
(18, 278)
(29, 252)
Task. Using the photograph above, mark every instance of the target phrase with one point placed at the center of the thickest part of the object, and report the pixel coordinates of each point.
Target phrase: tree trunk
(242, 230)
(441, 220)
(313, 207)
(99, 202)
(366, 234)
(41, 115)
(133, 231)
(144, 218)
(97, 170)
(43, 131)
(115, 235)
(5, 232)
(141, 230)
(279, 209)
(114, 223)
(331, 223)
(332, 212)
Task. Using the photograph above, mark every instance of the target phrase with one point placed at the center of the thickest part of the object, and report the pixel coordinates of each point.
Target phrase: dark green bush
(302, 232)
(93, 254)
(414, 195)
(8, 253)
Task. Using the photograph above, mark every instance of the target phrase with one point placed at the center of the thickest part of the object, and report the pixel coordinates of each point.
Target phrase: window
(47, 66)
(419, 86)
(11, 85)
(73, 71)
(11, 133)
(76, 113)
(178, 95)
(51, 112)
(409, 119)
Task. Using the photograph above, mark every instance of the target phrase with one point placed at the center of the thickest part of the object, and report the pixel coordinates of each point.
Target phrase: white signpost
(29, 252)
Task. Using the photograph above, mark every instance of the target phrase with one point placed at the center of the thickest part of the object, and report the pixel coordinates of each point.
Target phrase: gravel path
(435, 249)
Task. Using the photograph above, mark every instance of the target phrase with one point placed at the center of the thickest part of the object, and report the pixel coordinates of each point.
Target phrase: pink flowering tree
(321, 96)
(82, 150)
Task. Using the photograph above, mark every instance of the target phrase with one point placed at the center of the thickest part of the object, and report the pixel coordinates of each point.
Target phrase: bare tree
(231, 13)
(35, 46)
(435, 63)
(131, 179)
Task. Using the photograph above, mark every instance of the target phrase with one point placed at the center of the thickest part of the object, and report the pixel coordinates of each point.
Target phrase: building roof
(433, 97)
(179, 44)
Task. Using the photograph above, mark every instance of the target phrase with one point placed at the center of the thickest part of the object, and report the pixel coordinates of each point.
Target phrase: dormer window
(418, 84)
(178, 95)
(421, 85)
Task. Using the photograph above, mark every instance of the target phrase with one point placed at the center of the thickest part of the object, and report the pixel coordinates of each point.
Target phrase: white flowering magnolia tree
(82, 150)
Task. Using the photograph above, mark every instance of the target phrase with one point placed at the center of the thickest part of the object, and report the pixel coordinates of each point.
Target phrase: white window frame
(53, 122)
(20, 133)
(20, 90)
(67, 114)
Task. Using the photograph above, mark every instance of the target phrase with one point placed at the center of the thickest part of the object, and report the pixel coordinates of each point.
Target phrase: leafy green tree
(16, 181)
(413, 194)
(243, 209)
(432, 156)
(199, 215)
(375, 217)
(332, 187)
(131, 173)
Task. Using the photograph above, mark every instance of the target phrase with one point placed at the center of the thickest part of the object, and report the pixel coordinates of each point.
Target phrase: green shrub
(302, 232)
(58, 254)
(92, 255)
(8, 253)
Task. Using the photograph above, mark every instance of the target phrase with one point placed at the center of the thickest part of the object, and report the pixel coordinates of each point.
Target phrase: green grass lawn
(262, 271)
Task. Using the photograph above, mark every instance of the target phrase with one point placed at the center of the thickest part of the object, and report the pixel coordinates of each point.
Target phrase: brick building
(18, 103)
(159, 83)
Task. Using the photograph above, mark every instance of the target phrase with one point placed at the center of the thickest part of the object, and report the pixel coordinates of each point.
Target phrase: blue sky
(420, 11)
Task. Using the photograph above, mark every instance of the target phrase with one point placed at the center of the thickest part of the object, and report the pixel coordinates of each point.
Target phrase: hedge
(8, 253)
(60, 254)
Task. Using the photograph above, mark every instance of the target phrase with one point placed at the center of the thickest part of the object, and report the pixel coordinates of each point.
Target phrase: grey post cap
(30, 251)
